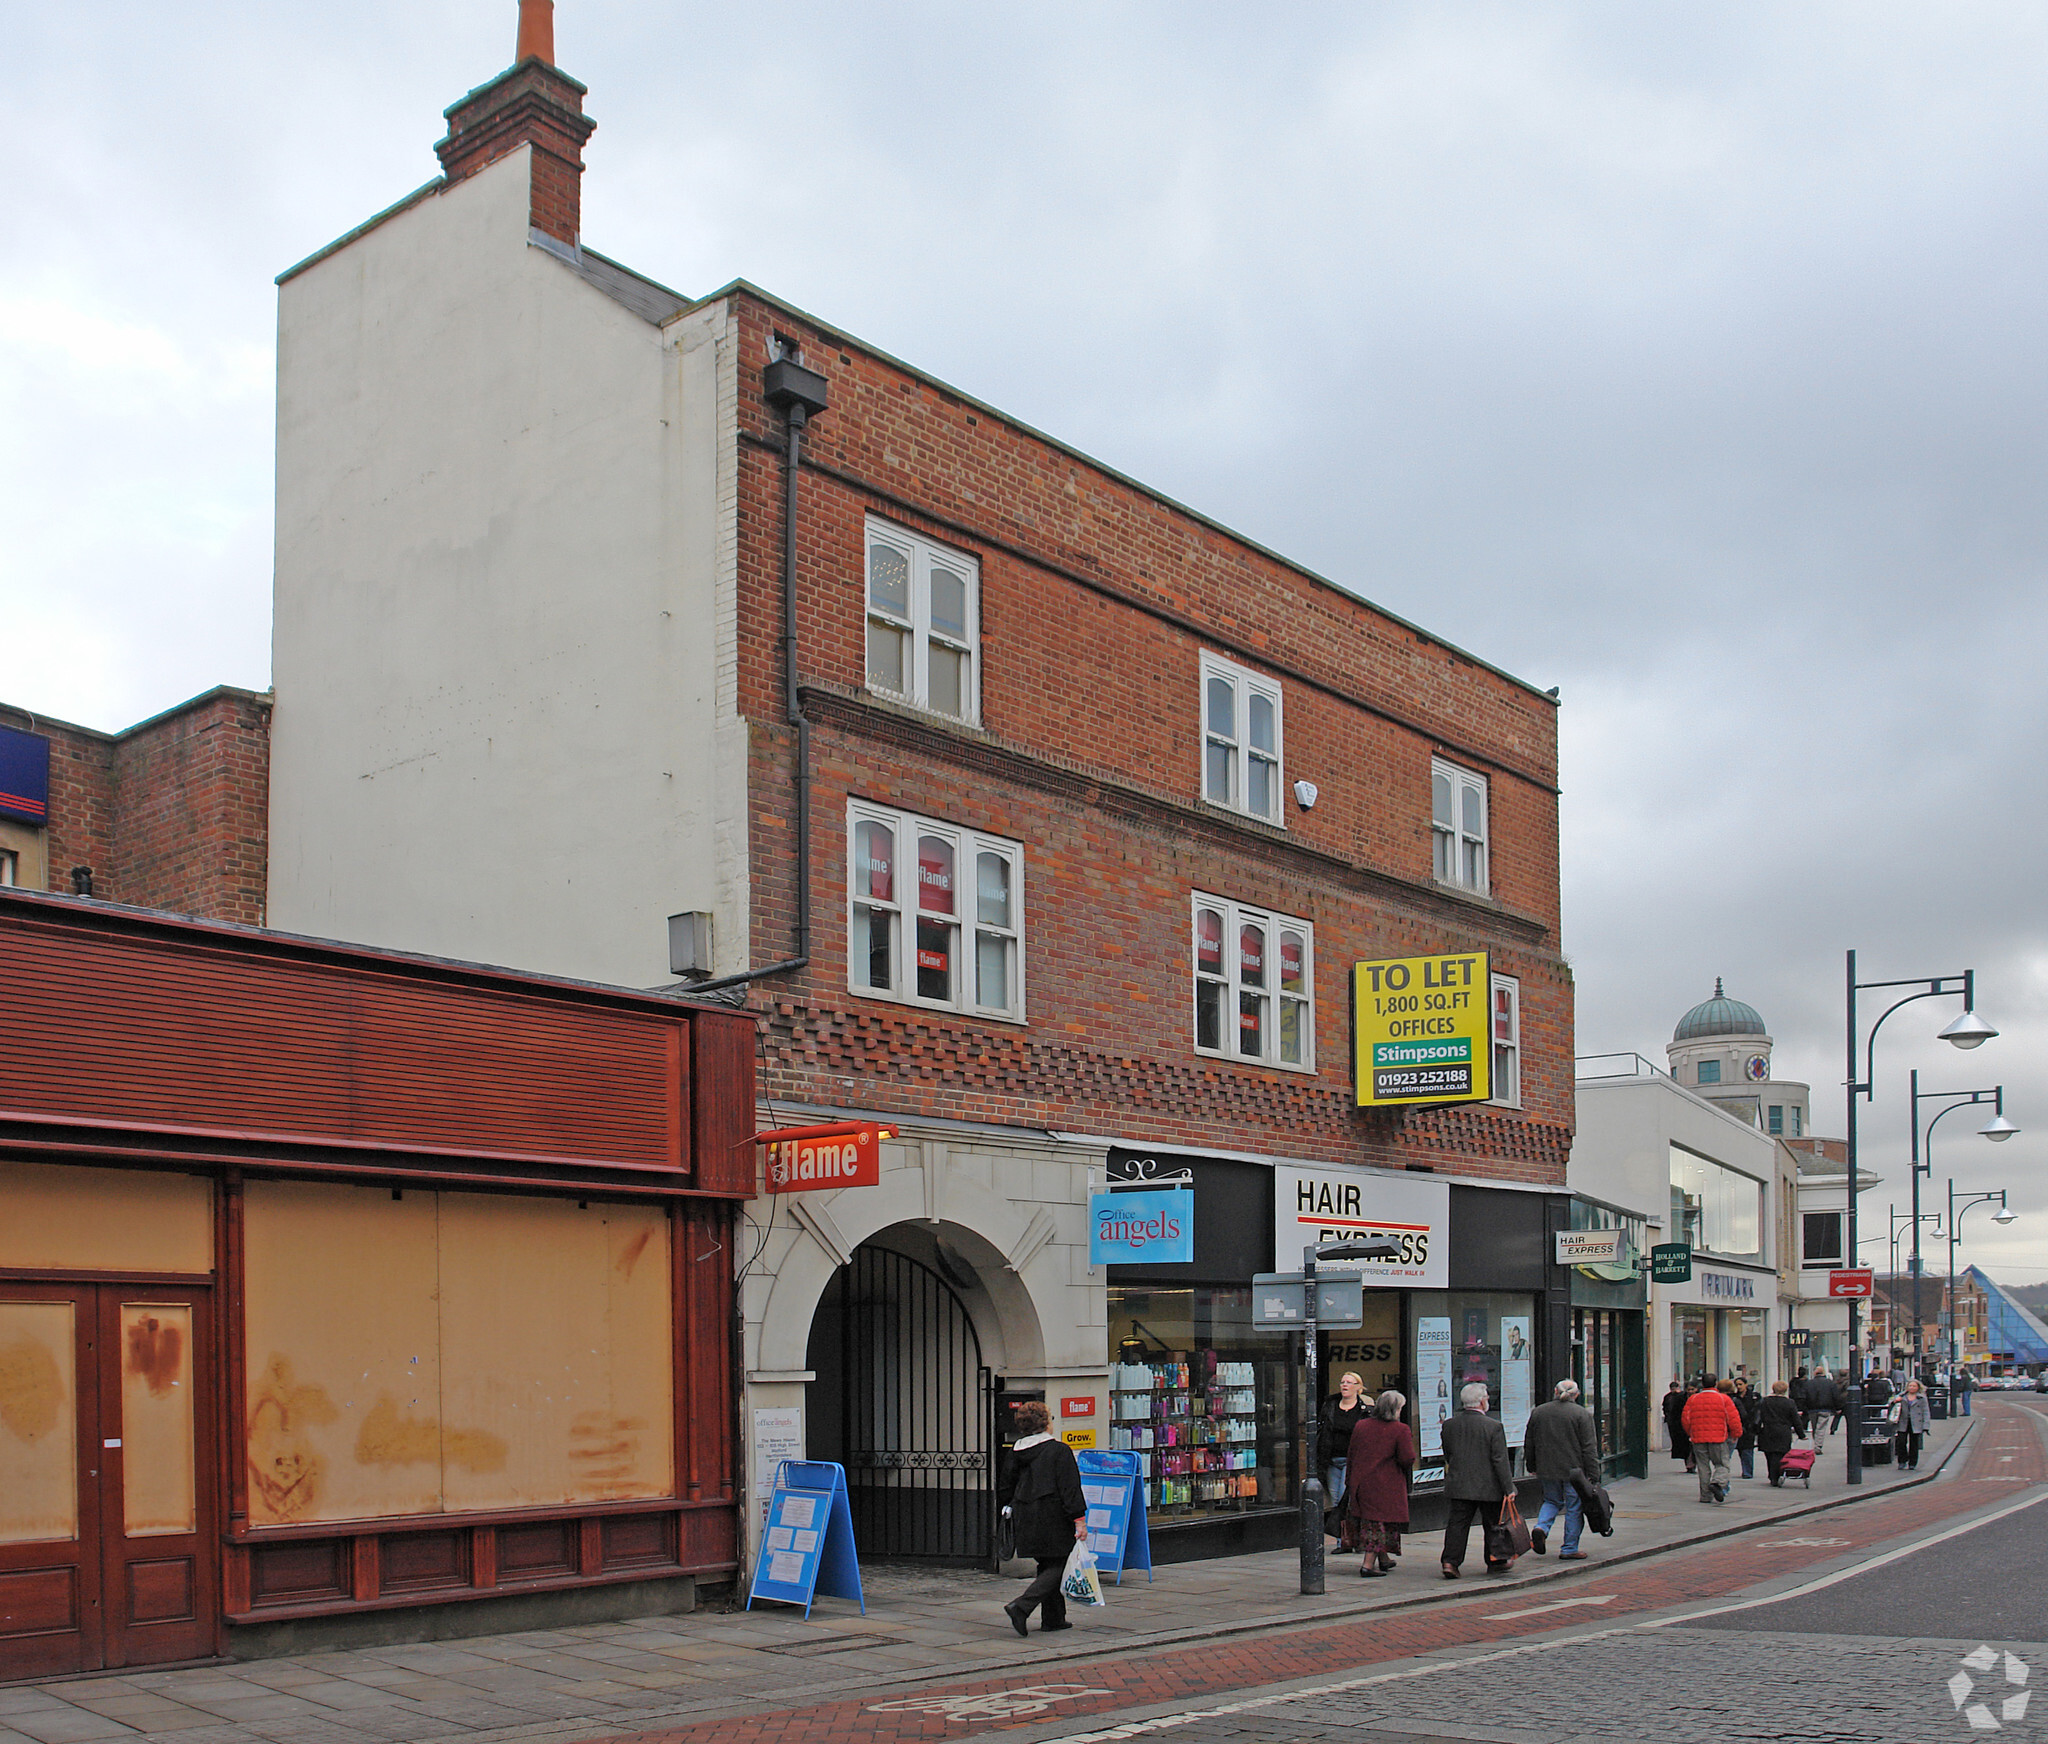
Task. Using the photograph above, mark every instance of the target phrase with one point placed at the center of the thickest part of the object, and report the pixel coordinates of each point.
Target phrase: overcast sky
(1688, 358)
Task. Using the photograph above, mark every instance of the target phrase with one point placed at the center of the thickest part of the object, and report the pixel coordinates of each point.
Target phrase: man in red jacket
(1715, 1425)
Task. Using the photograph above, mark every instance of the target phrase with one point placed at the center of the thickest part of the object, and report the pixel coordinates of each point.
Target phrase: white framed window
(1820, 1238)
(1457, 821)
(10, 866)
(924, 622)
(1254, 985)
(935, 913)
(1507, 1042)
(1241, 740)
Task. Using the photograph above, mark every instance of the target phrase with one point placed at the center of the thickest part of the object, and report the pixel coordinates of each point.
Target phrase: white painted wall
(505, 634)
(1622, 1153)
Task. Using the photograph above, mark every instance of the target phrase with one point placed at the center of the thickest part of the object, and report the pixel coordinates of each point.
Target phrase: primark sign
(1727, 1287)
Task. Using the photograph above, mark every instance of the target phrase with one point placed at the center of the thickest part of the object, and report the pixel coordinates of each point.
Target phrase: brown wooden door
(108, 1546)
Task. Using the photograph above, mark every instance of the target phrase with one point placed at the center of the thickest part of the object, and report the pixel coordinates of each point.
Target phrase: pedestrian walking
(1914, 1417)
(1714, 1426)
(1674, 1424)
(1966, 1384)
(1823, 1400)
(1778, 1421)
(1040, 1492)
(1340, 1414)
(1477, 1478)
(1749, 1405)
(1380, 1458)
(1562, 1439)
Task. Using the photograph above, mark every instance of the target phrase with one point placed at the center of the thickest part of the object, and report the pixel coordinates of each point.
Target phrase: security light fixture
(1967, 1031)
(689, 945)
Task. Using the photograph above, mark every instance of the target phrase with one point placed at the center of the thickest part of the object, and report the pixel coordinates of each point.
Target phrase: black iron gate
(917, 1413)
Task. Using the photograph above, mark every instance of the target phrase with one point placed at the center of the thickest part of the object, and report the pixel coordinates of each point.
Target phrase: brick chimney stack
(535, 104)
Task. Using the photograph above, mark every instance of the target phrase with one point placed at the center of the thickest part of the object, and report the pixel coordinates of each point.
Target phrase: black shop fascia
(1212, 1404)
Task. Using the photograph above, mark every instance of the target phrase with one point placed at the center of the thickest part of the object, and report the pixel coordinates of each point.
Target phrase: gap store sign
(1154, 1227)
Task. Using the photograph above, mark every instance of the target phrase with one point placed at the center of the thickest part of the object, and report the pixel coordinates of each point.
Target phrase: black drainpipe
(799, 394)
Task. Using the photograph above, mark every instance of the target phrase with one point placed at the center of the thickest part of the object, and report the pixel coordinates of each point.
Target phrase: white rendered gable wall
(504, 657)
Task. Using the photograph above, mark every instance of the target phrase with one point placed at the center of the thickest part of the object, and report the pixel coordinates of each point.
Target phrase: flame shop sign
(1420, 1030)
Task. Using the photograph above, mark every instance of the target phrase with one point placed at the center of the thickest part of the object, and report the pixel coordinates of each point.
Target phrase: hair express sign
(816, 1159)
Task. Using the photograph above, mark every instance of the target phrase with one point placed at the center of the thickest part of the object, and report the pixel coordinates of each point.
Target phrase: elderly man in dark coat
(1477, 1477)
(1040, 1490)
(1561, 1439)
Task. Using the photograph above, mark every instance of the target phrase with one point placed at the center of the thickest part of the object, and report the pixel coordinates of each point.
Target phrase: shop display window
(1208, 1405)
(1463, 1336)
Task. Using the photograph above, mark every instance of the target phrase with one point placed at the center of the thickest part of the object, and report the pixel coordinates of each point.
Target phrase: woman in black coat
(1040, 1491)
(1778, 1420)
(1674, 1424)
(1749, 1406)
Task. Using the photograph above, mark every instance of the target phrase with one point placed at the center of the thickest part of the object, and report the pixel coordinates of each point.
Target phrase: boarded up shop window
(452, 1351)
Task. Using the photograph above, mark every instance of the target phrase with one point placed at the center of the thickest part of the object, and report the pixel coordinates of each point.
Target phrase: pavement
(924, 1628)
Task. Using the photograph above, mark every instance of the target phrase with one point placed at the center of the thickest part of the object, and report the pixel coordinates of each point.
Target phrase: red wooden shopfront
(334, 1280)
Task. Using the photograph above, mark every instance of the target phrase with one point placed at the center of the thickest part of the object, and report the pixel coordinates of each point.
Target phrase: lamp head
(1998, 1129)
(1364, 1247)
(1967, 1031)
(2005, 1214)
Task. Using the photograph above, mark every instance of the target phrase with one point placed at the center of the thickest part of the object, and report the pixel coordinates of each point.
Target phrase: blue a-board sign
(1115, 1492)
(808, 1547)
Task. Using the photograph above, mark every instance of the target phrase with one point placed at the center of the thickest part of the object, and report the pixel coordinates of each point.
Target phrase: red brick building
(631, 635)
(171, 813)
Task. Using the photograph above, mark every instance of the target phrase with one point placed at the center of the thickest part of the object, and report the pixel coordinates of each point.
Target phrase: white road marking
(1560, 1605)
(1167, 1722)
(1855, 1569)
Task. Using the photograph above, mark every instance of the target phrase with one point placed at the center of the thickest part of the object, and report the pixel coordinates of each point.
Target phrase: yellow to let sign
(1421, 1030)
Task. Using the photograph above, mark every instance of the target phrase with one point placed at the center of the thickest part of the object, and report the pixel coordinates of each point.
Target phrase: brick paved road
(2008, 1458)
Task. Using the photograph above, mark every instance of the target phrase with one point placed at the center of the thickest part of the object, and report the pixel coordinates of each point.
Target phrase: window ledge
(1215, 809)
(1223, 1059)
(1465, 894)
(968, 1013)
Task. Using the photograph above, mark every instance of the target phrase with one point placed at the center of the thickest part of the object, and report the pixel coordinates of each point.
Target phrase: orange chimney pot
(536, 32)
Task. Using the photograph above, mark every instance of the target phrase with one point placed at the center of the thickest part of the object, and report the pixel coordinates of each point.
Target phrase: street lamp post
(1899, 1220)
(1967, 1031)
(1997, 1129)
(1369, 1247)
(2004, 1214)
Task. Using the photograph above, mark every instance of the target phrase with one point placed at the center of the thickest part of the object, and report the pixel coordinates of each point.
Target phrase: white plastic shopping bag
(1080, 1583)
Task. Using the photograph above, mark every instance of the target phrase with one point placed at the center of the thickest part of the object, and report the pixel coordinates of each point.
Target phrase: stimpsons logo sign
(1151, 1228)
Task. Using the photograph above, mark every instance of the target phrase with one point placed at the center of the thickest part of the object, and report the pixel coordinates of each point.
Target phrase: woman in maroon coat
(1376, 1485)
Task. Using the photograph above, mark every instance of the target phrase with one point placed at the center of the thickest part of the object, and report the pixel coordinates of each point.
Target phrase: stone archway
(903, 1400)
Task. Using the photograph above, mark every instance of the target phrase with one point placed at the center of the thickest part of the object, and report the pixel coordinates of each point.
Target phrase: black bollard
(1312, 1536)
